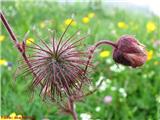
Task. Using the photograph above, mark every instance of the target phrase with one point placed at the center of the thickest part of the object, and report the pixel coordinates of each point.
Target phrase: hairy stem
(93, 48)
(5, 22)
(20, 46)
(72, 109)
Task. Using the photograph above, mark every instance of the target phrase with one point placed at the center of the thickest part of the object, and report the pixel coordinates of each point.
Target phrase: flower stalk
(20, 46)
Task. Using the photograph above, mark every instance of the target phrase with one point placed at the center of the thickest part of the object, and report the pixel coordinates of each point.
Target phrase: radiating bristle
(58, 66)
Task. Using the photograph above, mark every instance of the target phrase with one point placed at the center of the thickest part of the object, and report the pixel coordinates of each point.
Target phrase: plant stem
(20, 47)
(72, 109)
(92, 49)
(5, 22)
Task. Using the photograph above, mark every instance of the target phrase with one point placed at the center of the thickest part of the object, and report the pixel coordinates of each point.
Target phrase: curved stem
(72, 109)
(92, 49)
(20, 47)
(105, 42)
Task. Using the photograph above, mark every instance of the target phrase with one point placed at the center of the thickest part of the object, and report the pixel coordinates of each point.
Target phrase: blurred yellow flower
(29, 41)
(91, 15)
(104, 54)
(156, 63)
(122, 25)
(149, 55)
(2, 37)
(150, 26)
(3, 62)
(85, 20)
(13, 116)
(68, 21)
(42, 25)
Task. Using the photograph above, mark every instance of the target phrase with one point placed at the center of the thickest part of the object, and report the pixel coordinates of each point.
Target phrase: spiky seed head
(59, 67)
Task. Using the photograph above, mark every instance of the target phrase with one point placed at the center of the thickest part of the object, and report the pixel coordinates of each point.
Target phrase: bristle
(59, 67)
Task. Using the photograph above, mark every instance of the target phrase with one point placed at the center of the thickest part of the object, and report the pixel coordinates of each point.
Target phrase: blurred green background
(134, 93)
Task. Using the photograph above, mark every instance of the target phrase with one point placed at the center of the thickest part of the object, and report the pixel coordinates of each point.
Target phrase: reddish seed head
(129, 52)
(59, 67)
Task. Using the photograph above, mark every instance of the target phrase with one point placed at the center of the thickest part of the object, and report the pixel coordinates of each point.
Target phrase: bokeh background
(125, 94)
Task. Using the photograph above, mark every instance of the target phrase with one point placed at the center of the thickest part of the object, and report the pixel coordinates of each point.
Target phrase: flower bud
(129, 52)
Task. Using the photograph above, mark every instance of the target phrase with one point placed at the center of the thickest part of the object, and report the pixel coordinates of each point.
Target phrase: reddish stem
(92, 49)
(20, 47)
(5, 22)
(72, 109)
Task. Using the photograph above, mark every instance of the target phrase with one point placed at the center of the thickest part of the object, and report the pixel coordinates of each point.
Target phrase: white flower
(108, 81)
(91, 88)
(98, 109)
(99, 80)
(109, 61)
(123, 92)
(116, 68)
(85, 116)
(103, 86)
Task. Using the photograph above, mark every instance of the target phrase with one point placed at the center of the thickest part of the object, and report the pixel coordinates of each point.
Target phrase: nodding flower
(129, 52)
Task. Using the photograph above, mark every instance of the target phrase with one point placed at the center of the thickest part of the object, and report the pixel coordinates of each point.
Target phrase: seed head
(58, 66)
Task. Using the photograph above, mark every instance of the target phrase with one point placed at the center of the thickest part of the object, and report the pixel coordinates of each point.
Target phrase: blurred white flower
(108, 81)
(107, 99)
(113, 88)
(91, 88)
(85, 116)
(99, 80)
(116, 68)
(114, 32)
(103, 86)
(108, 60)
(98, 109)
(123, 92)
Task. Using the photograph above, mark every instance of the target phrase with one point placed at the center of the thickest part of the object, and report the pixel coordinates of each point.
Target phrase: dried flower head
(59, 66)
(129, 52)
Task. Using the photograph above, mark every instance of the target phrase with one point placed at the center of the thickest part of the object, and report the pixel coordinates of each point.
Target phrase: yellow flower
(42, 25)
(3, 62)
(29, 41)
(14, 117)
(122, 25)
(156, 63)
(68, 21)
(85, 20)
(149, 55)
(2, 37)
(91, 15)
(150, 26)
(104, 54)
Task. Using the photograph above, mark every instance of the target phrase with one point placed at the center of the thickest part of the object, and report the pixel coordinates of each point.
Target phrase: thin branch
(93, 48)
(20, 47)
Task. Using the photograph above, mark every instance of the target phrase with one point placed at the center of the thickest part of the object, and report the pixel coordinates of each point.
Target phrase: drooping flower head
(59, 67)
(129, 52)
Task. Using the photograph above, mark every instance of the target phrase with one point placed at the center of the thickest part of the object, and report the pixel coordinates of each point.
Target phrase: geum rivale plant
(61, 69)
